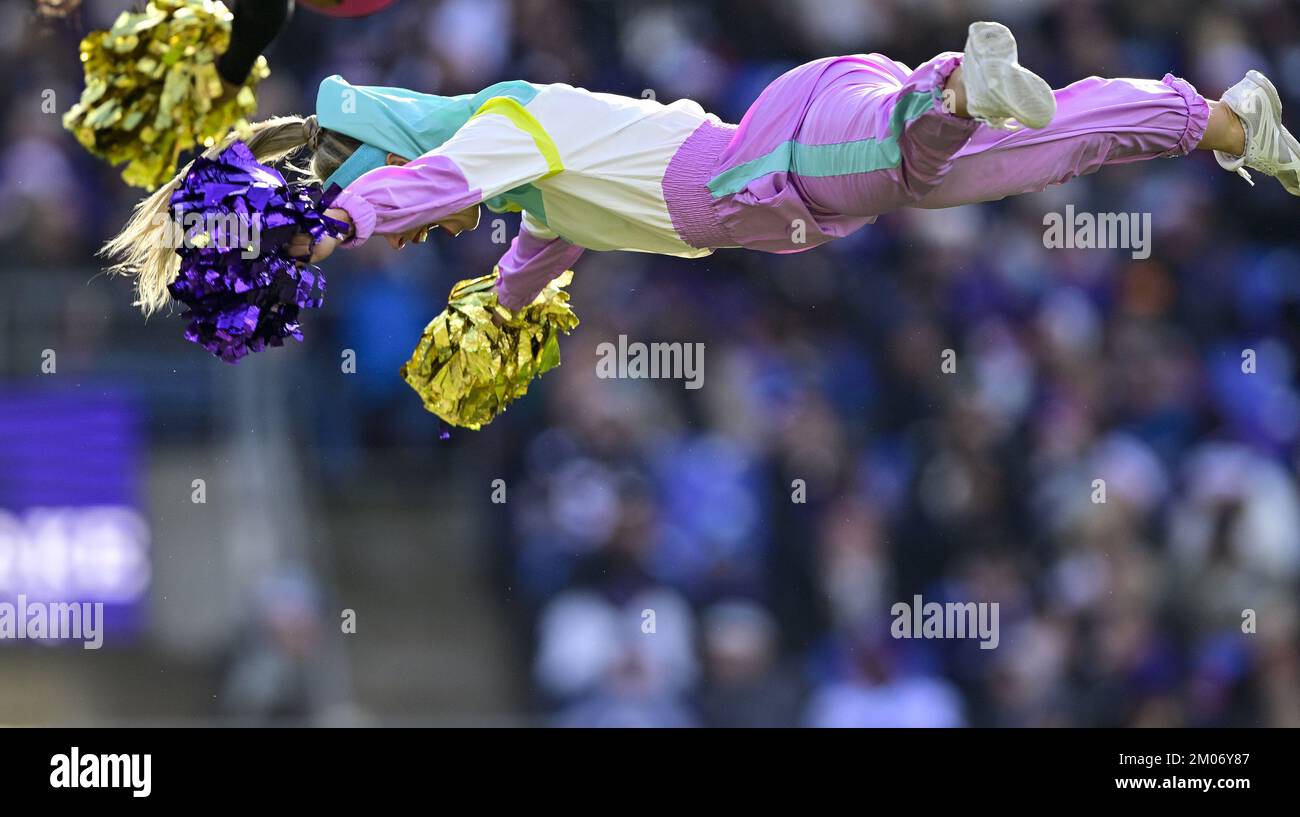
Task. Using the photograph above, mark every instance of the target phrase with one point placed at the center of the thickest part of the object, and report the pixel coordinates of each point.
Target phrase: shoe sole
(1021, 92)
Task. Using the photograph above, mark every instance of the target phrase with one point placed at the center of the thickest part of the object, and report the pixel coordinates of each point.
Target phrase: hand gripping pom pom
(468, 367)
(241, 288)
(153, 91)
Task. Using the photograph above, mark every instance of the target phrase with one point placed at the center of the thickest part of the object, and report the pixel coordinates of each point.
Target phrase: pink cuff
(362, 214)
(508, 299)
(1198, 116)
(529, 265)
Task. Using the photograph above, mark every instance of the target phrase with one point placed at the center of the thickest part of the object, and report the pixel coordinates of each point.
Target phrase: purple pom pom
(241, 288)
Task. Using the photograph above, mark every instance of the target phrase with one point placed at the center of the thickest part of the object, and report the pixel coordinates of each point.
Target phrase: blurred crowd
(729, 556)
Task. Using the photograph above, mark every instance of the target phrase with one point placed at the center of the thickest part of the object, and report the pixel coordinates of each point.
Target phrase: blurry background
(326, 491)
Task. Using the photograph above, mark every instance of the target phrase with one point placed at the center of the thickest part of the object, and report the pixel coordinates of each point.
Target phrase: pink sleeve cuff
(512, 300)
(362, 214)
(529, 265)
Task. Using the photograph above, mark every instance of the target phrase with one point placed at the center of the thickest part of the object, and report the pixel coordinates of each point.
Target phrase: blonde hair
(144, 248)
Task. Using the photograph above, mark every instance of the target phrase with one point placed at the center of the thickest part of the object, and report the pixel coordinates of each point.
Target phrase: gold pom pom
(153, 91)
(477, 357)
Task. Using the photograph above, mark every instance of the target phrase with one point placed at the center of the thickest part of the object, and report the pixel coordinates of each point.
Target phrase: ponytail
(145, 249)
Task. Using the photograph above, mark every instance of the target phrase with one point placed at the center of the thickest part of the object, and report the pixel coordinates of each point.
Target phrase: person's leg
(1224, 131)
(867, 146)
(1098, 122)
(829, 146)
(877, 141)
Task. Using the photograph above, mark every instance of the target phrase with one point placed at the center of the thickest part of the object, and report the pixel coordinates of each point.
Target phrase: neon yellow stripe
(526, 122)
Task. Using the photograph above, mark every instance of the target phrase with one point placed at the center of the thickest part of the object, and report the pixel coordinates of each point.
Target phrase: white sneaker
(1270, 148)
(998, 89)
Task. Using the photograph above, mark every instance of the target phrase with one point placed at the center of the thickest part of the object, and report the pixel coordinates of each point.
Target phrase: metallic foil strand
(477, 357)
(152, 88)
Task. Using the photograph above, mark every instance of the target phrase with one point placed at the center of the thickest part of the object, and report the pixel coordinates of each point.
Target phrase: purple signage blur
(71, 522)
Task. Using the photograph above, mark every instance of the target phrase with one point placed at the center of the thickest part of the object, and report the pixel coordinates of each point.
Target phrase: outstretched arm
(535, 258)
(488, 156)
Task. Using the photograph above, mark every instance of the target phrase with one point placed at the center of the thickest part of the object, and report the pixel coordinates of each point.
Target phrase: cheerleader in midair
(826, 149)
